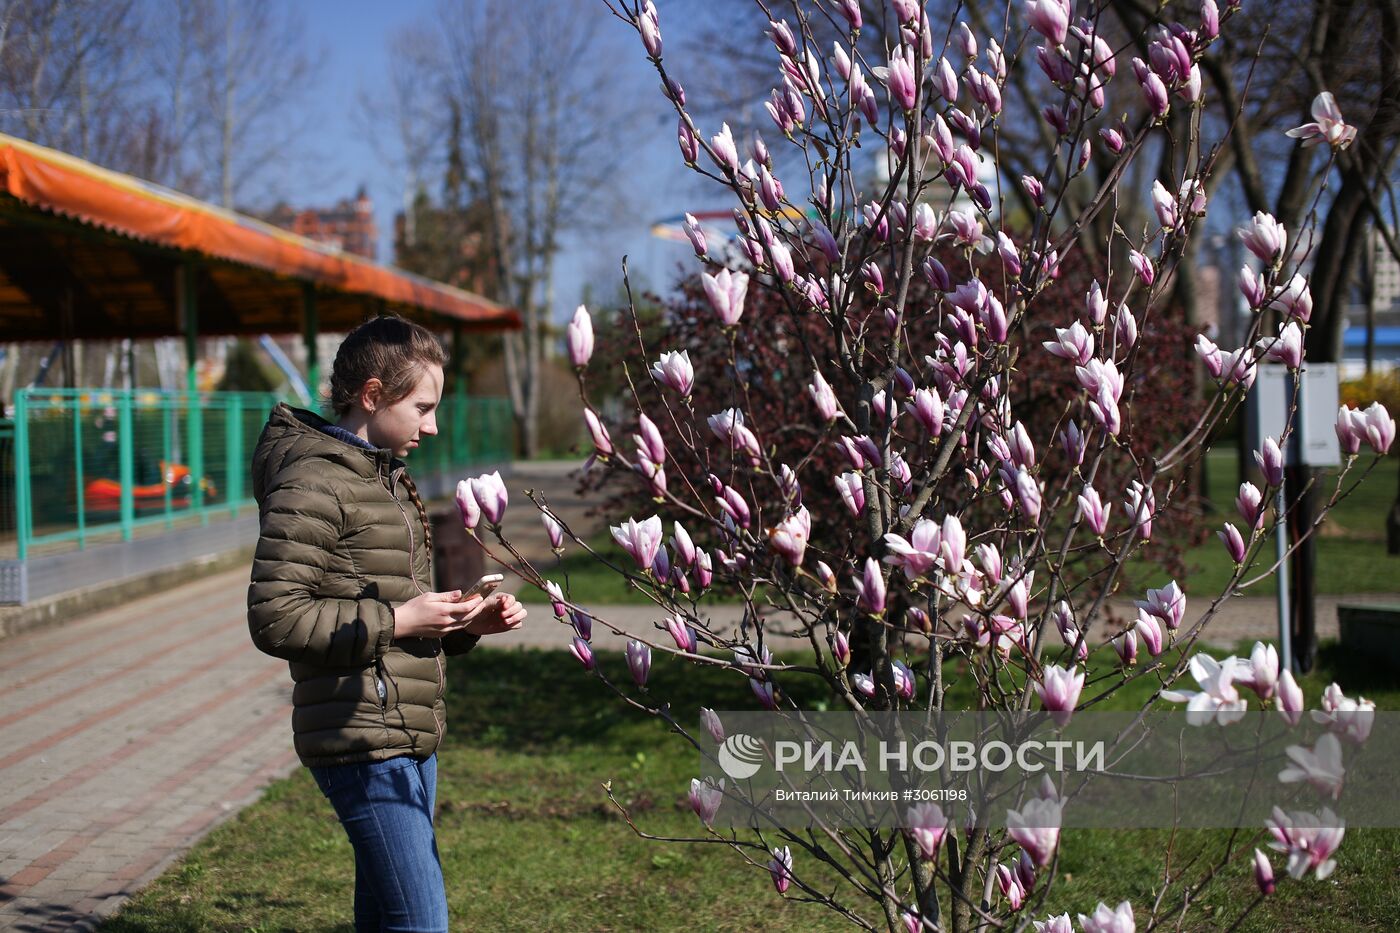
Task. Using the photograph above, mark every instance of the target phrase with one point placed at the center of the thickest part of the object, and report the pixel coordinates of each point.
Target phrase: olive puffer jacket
(342, 544)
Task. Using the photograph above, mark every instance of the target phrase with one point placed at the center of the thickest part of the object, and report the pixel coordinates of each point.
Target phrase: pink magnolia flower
(553, 529)
(1350, 718)
(1263, 873)
(1028, 495)
(1327, 126)
(1310, 839)
(1036, 828)
(1142, 265)
(1072, 343)
(927, 407)
(871, 588)
(1167, 603)
(1112, 139)
(1250, 503)
(917, 554)
(1209, 352)
(824, 397)
(694, 232)
(1265, 237)
(467, 506)
(1295, 299)
(1034, 189)
(1234, 542)
(1218, 699)
(851, 486)
(1150, 630)
(1104, 920)
(724, 151)
(726, 292)
(580, 649)
(1252, 287)
(710, 720)
(927, 825)
(580, 333)
(688, 142)
(1351, 429)
(1269, 456)
(556, 599)
(764, 691)
(1165, 206)
(639, 661)
(780, 868)
(640, 540)
(904, 90)
(1126, 647)
(602, 443)
(1320, 766)
(649, 25)
(1154, 93)
(705, 798)
(1142, 506)
(1059, 690)
(789, 537)
(1125, 331)
(1050, 18)
(490, 493)
(650, 442)
(681, 633)
(1380, 428)
(675, 370)
(1059, 924)
(841, 649)
(1237, 367)
(1011, 888)
(1289, 698)
(1264, 670)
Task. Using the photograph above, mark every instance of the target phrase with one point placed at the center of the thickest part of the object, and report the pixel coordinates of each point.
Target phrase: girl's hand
(433, 615)
(502, 613)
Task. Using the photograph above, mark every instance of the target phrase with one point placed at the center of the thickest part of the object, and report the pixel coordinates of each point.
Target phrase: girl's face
(400, 425)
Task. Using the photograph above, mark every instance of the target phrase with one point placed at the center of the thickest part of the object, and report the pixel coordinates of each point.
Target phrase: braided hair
(422, 512)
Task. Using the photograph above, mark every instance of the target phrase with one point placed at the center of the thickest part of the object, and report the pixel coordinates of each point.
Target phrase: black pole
(1301, 499)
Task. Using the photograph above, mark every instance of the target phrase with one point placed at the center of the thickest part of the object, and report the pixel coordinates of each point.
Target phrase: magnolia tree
(952, 539)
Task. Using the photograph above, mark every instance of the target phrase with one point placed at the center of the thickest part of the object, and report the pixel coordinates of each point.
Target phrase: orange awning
(85, 251)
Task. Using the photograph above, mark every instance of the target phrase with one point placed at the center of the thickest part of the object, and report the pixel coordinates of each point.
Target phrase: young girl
(341, 589)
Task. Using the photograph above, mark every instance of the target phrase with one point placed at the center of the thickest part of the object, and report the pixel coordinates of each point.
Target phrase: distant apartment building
(348, 226)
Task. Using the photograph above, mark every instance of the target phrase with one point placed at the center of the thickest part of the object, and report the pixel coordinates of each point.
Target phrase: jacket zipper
(413, 574)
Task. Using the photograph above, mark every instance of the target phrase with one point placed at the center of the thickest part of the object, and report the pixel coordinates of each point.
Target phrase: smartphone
(484, 586)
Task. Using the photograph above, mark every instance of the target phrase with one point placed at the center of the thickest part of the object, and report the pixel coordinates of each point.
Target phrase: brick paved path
(127, 735)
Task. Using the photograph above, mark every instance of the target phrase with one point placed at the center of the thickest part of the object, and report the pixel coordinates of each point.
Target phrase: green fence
(102, 462)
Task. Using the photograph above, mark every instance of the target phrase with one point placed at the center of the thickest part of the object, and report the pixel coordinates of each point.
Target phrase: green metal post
(24, 504)
(165, 404)
(194, 414)
(126, 469)
(309, 331)
(233, 447)
(78, 471)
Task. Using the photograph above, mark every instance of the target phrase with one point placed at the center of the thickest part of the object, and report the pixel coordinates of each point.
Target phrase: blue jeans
(386, 808)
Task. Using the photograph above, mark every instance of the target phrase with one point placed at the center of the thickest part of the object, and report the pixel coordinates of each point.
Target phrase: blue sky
(354, 36)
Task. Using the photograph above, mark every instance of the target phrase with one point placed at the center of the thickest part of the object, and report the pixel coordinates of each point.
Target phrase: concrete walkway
(129, 733)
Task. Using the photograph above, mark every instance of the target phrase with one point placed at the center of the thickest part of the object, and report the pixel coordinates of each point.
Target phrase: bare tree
(539, 123)
(67, 73)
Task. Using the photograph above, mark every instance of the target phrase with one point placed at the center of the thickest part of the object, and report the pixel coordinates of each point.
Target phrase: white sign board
(1314, 441)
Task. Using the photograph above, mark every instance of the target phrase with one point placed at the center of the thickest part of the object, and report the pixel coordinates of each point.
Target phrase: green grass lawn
(529, 839)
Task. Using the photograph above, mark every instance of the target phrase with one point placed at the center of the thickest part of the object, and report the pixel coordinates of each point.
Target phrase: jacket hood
(293, 434)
